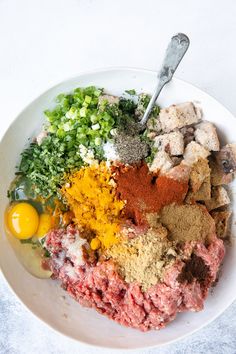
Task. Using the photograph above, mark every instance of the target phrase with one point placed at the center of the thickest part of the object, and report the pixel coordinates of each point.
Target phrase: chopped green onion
(82, 112)
(95, 126)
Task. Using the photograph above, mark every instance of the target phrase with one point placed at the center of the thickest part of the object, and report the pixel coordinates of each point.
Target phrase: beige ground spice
(144, 258)
(187, 222)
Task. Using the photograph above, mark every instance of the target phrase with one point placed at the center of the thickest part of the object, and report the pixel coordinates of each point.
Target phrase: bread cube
(178, 116)
(173, 143)
(193, 152)
(161, 162)
(206, 135)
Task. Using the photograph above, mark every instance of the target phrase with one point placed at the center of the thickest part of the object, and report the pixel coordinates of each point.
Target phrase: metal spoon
(174, 54)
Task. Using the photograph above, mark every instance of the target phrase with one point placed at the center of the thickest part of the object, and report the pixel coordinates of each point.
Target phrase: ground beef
(101, 287)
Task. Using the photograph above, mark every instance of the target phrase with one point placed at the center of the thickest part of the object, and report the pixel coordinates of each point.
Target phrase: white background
(43, 42)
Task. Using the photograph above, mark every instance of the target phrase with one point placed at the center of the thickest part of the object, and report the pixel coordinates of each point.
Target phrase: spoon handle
(174, 54)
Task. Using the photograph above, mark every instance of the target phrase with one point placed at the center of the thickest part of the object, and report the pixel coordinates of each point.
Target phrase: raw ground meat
(100, 286)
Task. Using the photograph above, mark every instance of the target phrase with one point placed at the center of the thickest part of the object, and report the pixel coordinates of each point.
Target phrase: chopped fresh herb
(47, 254)
(143, 101)
(155, 111)
(29, 240)
(150, 158)
(35, 244)
(131, 92)
(153, 150)
(42, 241)
(46, 164)
(127, 106)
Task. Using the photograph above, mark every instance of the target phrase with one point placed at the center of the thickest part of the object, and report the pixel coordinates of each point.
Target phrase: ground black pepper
(128, 144)
(130, 148)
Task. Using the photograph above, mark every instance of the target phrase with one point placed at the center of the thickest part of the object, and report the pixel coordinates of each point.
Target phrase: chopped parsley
(143, 101)
(47, 254)
(27, 241)
(131, 92)
(127, 106)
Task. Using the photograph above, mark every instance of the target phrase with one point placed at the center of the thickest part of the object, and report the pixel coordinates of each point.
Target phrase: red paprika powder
(145, 192)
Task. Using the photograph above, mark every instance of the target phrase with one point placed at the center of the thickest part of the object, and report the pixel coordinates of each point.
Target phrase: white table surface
(44, 41)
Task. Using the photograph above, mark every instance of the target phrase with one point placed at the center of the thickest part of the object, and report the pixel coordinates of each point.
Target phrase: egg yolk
(45, 224)
(22, 220)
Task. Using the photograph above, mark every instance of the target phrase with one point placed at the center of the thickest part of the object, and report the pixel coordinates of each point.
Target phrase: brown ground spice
(195, 268)
(187, 222)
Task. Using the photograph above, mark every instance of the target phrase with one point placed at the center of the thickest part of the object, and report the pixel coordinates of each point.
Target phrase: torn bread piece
(172, 143)
(39, 138)
(188, 133)
(219, 198)
(199, 173)
(202, 194)
(193, 152)
(218, 176)
(226, 158)
(109, 99)
(180, 172)
(178, 116)
(222, 219)
(176, 160)
(206, 135)
(161, 162)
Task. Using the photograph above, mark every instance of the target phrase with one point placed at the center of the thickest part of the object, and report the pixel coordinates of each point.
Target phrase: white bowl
(44, 297)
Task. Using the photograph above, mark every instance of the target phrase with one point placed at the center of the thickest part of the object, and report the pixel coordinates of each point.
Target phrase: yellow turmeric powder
(91, 197)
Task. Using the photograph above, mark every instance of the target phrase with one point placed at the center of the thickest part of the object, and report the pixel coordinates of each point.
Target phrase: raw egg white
(22, 220)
